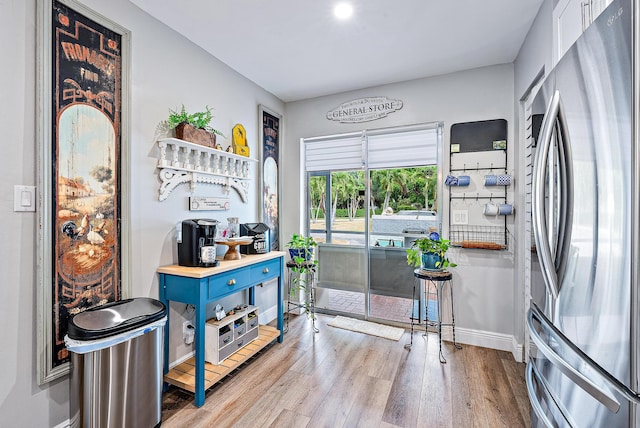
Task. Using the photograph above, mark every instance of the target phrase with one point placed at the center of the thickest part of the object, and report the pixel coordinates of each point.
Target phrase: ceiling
(296, 49)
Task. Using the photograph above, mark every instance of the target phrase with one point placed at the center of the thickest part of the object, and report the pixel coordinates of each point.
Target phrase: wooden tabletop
(223, 266)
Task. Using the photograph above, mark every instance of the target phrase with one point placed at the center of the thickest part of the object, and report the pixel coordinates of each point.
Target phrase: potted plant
(194, 127)
(301, 252)
(430, 253)
(301, 248)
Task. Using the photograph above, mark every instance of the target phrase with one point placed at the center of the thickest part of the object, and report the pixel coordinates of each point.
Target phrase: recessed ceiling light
(343, 10)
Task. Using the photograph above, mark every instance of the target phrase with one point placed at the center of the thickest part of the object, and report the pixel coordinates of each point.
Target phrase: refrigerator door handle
(553, 267)
(533, 399)
(540, 229)
(533, 373)
(599, 393)
(566, 193)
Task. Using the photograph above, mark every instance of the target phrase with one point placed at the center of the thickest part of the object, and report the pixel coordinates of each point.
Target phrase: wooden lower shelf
(184, 374)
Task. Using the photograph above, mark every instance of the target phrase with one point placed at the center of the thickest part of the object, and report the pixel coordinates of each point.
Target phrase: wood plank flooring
(339, 378)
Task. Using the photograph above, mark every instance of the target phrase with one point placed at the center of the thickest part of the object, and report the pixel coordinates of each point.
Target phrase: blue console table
(199, 286)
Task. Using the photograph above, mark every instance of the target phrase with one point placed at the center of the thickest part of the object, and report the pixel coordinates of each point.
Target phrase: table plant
(430, 253)
(194, 127)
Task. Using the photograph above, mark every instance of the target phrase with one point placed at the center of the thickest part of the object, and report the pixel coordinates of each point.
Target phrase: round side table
(309, 289)
(434, 284)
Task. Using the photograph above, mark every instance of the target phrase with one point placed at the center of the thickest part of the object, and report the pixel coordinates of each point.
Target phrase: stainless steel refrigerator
(583, 321)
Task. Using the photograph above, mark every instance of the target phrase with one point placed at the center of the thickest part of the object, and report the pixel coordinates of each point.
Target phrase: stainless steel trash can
(116, 356)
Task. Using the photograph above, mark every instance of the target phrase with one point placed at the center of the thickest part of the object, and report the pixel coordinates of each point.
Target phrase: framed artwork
(83, 245)
(270, 126)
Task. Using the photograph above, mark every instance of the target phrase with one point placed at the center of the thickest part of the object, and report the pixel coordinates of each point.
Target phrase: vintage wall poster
(270, 141)
(85, 215)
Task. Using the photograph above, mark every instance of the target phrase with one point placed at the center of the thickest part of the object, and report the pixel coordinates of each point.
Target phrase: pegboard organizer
(478, 149)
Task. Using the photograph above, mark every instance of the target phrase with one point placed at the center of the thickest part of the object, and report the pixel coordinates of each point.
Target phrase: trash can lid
(115, 318)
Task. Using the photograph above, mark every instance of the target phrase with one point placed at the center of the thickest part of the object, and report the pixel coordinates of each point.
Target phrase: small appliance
(260, 234)
(197, 243)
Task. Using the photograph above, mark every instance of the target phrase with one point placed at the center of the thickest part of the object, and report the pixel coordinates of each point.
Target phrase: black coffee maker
(197, 243)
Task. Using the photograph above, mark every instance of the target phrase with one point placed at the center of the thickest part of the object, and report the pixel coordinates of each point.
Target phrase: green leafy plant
(201, 119)
(301, 242)
(432, 244)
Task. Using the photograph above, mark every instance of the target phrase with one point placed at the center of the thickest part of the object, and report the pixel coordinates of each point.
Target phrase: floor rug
(366, 327)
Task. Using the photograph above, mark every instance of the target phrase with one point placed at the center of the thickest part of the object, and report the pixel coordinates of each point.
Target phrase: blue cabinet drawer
(265, 271)
(224, 283)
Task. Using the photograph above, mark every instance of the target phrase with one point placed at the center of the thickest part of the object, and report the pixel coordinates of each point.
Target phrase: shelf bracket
(172, 178)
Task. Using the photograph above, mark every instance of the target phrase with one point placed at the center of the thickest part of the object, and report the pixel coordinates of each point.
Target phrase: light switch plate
(24, 198)
(460, 217)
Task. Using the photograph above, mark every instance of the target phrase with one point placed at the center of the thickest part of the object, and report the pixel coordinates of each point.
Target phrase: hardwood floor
(339, 378)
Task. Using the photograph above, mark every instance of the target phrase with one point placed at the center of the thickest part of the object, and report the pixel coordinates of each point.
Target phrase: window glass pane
(347, 204)
(404, 204)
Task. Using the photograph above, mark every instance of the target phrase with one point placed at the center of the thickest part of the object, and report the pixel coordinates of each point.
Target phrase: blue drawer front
(226, 283)
(265, 271)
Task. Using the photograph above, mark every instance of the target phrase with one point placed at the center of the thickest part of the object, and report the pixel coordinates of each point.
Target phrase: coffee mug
(491, 209)
(451, 180)
(464, 180)
(504, 180)
(505, 209)
(208, 253)
(490, 180)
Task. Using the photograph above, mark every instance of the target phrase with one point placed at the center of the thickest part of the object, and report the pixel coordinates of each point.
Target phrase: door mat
(366, 327)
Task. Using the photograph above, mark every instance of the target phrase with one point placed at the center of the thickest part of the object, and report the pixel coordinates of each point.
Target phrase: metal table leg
(413, 312)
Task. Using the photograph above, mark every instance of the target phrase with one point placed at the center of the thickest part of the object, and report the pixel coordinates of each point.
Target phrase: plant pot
(429, 261)
(305, 253)
(190, 133)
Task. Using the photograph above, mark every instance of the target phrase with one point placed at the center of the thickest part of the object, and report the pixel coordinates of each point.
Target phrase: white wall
(536, 51)
(484, 281)
(22, 401)
(167, 71)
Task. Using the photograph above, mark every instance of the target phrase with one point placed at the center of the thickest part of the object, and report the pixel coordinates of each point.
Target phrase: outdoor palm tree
(393, 178)
(317, 191)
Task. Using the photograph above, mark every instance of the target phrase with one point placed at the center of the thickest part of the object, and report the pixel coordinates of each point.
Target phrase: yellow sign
(239, 141)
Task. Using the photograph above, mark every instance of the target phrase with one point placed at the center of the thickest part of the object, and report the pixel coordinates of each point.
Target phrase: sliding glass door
(337, 221)
(369, 194)
(404, 199)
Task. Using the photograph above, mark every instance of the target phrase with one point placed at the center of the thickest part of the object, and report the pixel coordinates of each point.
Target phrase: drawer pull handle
(265, 270)
(240, 343)
(231, 282)
(225, 341)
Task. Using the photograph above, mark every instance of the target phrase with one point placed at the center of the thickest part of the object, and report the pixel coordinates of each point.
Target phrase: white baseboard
(517, 350)
(181, 359)
(268, 315)
(486, 339)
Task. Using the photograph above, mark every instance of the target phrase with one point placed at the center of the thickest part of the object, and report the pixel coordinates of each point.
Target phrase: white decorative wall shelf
(184, 162)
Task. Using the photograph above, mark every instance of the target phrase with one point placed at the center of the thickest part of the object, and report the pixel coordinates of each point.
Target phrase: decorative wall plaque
(364, 109)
